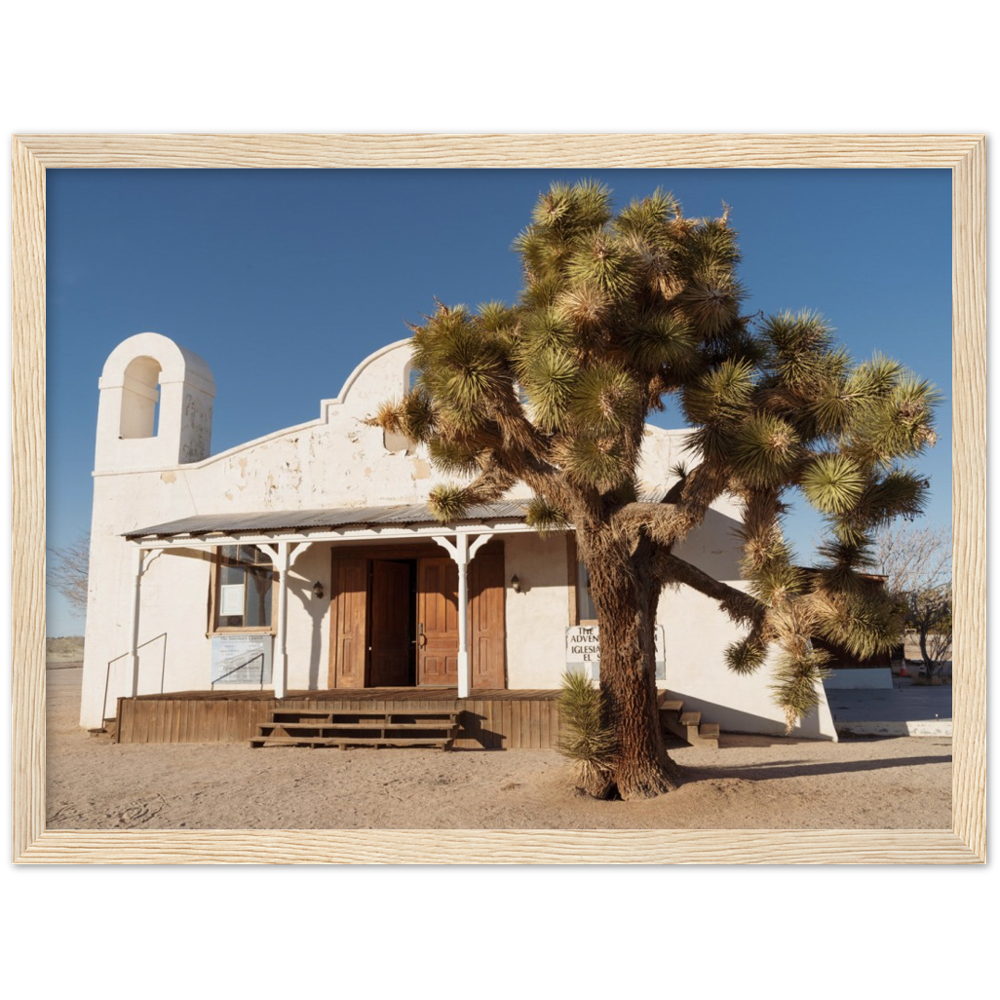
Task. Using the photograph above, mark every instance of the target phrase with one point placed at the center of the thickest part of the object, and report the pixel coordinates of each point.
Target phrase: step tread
(671, 705)
(357, 725)
(690, 719)
(346, 741)
(334, 716)
(709, 730)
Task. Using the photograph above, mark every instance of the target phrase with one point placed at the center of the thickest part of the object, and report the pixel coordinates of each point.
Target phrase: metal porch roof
(304, 520)
(231, 524)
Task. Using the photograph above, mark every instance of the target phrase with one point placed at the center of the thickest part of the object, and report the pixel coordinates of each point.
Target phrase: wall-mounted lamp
(515, 584)
(318, 589)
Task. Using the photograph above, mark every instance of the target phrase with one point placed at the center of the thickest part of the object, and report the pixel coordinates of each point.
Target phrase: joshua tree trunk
(625, 606)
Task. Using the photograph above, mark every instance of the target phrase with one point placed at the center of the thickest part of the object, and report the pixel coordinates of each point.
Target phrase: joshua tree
(618, 312)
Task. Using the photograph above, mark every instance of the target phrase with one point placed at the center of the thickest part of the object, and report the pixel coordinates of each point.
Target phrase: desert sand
(749, 782)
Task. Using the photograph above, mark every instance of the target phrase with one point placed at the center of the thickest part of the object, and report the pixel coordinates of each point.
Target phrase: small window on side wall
(394, 441)
(244, 591)
(586, 613)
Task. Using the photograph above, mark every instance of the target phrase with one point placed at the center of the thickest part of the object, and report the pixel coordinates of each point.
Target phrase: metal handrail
(128, 652)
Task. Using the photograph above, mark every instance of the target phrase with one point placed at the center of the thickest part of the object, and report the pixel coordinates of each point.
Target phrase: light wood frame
(964, 155)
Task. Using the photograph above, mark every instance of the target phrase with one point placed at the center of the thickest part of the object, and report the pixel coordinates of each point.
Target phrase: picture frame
(964, 843)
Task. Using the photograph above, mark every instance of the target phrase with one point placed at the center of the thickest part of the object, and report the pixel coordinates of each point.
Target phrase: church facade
(307, 560)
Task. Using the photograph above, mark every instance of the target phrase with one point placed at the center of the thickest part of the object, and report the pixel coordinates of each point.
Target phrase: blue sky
(283, 280)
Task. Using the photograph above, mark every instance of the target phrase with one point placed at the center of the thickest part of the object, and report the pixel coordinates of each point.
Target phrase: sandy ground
(750, 782)
(64, 649)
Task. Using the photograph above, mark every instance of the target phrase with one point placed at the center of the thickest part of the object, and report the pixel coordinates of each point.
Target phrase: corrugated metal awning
(309, 520)
(400, 515)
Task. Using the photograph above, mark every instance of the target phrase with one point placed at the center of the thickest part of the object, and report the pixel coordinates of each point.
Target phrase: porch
(408, 601)
(489, 720)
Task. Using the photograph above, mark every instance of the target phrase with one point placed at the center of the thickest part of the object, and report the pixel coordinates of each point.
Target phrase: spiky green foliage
(620, 311)
(597, 462)
(841, 566)
(449, 502)
(746, 655)
(548, 377)
(777, 579)
(797, 683)
(833, 483)
(722, 394)
(605, 399)
(585, 737)
(454, 457)
(660, 339)
(859, 621)
(543, 516)
(765, 450)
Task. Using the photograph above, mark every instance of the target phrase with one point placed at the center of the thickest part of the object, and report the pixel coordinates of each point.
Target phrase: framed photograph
(32, 154)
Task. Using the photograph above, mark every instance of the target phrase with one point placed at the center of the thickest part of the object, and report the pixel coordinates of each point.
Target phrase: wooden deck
(490, 720)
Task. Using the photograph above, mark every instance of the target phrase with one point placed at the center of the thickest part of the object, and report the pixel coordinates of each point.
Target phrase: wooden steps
(687, 725)
(404, 728)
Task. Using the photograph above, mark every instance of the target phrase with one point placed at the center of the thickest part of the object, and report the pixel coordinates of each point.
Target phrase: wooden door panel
(348, 623)
(487, 625)
(391, 627)
(437, 614)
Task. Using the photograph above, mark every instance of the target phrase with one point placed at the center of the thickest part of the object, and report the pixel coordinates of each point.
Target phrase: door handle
(421, 637)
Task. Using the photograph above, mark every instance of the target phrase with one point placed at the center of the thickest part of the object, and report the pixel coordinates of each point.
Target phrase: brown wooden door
(391, 627)
(487, 640)
(437, 622)
(348, 623)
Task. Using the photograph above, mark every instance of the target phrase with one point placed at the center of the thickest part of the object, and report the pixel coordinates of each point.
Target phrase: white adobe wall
(537, 617)
(697, 633)
(140, 481)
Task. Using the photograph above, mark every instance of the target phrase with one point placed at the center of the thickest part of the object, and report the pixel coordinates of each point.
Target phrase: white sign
(231, 599)
(241, 659)
(583, 651)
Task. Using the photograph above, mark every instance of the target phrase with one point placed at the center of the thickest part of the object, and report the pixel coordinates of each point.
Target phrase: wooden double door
(394, 619)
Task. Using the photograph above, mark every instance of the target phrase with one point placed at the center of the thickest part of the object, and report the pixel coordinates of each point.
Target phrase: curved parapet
(382, 375)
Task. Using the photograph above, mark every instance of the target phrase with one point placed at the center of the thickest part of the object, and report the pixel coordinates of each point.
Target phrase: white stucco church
(307, 561)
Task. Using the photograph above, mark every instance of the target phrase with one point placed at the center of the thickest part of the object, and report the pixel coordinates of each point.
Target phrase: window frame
(221, 561)
(573, 568)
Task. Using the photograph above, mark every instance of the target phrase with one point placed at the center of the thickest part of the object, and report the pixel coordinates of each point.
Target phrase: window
(585, 610)
(395, 441)
(244, 592)
(581, 603)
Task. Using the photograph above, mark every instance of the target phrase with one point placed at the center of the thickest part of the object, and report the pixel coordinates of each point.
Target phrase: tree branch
(491, 484)
(738, 605)
(668, 523)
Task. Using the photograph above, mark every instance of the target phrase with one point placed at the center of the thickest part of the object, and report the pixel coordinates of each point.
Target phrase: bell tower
(155, 407)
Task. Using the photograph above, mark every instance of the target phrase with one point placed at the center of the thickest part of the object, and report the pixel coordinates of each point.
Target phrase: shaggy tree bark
(626, 599)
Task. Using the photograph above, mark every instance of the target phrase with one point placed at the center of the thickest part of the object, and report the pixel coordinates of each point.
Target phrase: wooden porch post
(462, 559)
(283, 556)
(462, 554)
(281, 667)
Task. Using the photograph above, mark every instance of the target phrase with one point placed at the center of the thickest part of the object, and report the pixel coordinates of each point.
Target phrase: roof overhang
(400, 521)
